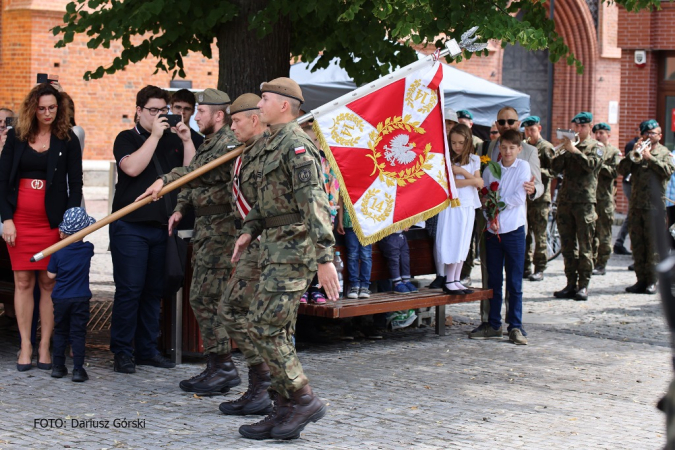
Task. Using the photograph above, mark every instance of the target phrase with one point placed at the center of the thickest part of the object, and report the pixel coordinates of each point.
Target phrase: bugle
(570, 134)
(635, 155)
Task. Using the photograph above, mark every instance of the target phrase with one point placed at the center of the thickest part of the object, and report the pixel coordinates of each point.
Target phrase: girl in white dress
(455, 224)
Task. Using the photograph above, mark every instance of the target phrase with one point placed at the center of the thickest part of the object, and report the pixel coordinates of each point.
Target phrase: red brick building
(604, 37)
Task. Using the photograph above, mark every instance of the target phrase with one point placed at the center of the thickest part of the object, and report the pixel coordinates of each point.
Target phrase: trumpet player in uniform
(647, 159)
(579, 163)
(537, 209)
(604, 208)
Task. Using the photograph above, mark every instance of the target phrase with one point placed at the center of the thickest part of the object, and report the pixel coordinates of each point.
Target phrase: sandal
(318, 298)
(304, 298)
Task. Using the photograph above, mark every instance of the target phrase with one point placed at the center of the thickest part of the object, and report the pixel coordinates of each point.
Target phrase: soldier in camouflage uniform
(292, 217)
(604, 208)
(576, 218)
(213, 239)
(656, 163)
(241, 288)
(538, 209)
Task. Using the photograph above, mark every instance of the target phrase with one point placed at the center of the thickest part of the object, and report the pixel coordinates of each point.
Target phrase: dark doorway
(527, 71)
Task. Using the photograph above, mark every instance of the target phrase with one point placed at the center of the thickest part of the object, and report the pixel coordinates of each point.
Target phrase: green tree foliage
(371, 37)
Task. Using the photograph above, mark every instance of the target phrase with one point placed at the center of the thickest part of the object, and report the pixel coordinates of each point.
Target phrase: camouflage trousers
(602, 242)
(642, 243)
(273, 315)
(576, 224)
(207, 287)
(234, 313)
(537, 221)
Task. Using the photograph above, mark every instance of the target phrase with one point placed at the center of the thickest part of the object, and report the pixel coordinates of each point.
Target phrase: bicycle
(553, 244)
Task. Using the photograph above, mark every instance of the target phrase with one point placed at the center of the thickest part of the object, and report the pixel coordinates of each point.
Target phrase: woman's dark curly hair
(27, 126)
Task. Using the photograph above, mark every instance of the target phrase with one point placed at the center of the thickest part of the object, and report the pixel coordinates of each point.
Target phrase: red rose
(494, 186)
(484, 191)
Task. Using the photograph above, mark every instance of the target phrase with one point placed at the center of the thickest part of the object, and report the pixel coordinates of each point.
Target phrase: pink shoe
(318, 298)
(304, 298)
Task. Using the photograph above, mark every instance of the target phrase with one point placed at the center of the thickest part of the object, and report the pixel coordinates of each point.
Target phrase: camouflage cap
(212, 97)
(464, 114)
(583, 117)
(283, 86)
(531, 120)
(601, 126)
(245, 102)
(450, 114)
(648, 125)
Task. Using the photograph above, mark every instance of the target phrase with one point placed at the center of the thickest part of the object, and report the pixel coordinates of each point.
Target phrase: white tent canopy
(461, 90)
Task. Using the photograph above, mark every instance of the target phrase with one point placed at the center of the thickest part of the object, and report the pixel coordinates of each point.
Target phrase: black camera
(44, 78)
(172, 119)
(9, 122)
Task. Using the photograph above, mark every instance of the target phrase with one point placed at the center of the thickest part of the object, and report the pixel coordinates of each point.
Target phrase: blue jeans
(355, 252)
(71, 316)
(138, 253)
(506, 251)
(395, 250)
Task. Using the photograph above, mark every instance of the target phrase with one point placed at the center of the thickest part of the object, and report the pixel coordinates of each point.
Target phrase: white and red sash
(242, 205)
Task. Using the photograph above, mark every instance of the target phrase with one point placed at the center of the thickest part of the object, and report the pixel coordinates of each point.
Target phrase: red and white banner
(389, 152)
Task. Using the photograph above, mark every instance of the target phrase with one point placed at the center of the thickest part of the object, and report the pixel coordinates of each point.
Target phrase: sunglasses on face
(503, 122)
(494, 132)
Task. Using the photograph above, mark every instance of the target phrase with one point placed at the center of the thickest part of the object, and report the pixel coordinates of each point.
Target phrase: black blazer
(64, 172)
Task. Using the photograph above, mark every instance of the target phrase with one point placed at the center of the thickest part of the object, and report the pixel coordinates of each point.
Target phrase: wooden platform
(388, 302)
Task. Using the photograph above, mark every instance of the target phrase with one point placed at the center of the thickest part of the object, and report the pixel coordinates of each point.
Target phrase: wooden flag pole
(134, 206)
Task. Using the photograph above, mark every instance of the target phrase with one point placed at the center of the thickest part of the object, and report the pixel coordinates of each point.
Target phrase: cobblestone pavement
(589, 379)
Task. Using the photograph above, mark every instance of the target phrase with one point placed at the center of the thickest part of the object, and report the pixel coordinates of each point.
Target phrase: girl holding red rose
(456, 224)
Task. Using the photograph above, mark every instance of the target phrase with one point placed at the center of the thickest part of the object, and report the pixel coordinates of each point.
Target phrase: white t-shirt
(512, 193)
(468, 195)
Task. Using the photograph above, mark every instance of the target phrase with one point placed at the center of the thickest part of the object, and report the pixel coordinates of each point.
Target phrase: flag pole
(134, 206)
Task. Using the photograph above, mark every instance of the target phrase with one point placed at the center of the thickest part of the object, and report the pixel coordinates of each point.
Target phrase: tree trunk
(246, 60)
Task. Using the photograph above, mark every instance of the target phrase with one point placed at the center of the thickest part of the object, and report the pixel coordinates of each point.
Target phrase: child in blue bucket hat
(70, 266)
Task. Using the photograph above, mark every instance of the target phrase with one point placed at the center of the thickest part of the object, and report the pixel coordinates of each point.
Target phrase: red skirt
(33, 233)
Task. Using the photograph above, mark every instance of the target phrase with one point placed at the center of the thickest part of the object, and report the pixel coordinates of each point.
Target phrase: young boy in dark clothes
(71, 295)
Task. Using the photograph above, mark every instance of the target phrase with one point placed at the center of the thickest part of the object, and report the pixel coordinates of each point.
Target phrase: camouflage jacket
(580, 172)
(545, 150)
(210, 189)
(607, 175)
(290, 182)
(660, 165)
(247, 267)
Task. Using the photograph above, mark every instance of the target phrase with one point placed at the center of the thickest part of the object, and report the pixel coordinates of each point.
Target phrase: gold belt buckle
(37, 184)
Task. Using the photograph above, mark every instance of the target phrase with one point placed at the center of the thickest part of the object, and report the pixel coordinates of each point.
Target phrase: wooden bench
(421, 263)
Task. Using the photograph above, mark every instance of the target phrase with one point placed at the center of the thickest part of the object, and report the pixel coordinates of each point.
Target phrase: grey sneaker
(364, 293)
(353, 292)
(516, 336)
(485, 331)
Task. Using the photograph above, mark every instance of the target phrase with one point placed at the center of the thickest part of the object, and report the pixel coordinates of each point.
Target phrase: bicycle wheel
(553, 246)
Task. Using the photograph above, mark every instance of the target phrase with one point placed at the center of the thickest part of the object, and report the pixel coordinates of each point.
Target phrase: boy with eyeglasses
(183, 102)
(138, 240)
(655, 163)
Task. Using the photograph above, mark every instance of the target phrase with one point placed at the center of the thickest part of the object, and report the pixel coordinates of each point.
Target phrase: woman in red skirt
(40, 178)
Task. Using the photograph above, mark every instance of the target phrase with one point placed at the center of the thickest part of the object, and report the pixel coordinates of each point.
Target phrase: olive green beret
(583, 117)
(245, 102)
(601, 126)
(648, 125)
(283, 86)
(464, 114)
(212, 97)
(531, 120)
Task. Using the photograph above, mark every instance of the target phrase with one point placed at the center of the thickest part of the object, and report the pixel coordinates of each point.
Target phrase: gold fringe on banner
(367, 240)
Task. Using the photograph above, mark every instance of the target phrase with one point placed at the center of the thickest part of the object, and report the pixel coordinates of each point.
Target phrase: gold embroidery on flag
(371, 203)
(420, 95)
(398, 152)
(344, 128)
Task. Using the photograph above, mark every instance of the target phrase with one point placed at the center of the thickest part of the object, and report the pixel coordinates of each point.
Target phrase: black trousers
(71, 316)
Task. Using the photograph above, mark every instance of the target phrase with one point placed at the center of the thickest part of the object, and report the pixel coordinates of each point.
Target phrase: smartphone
(569, 134)
(9, 122)
(172, 119)
(45, 78)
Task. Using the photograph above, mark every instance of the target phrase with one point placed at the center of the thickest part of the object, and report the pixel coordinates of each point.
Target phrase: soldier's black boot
(188, 385)
(222, 377)
(638, 288)
(599, 270)
(256, 399)
(569, 291)
(263, 429)
(305, 408)
(582, 294)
